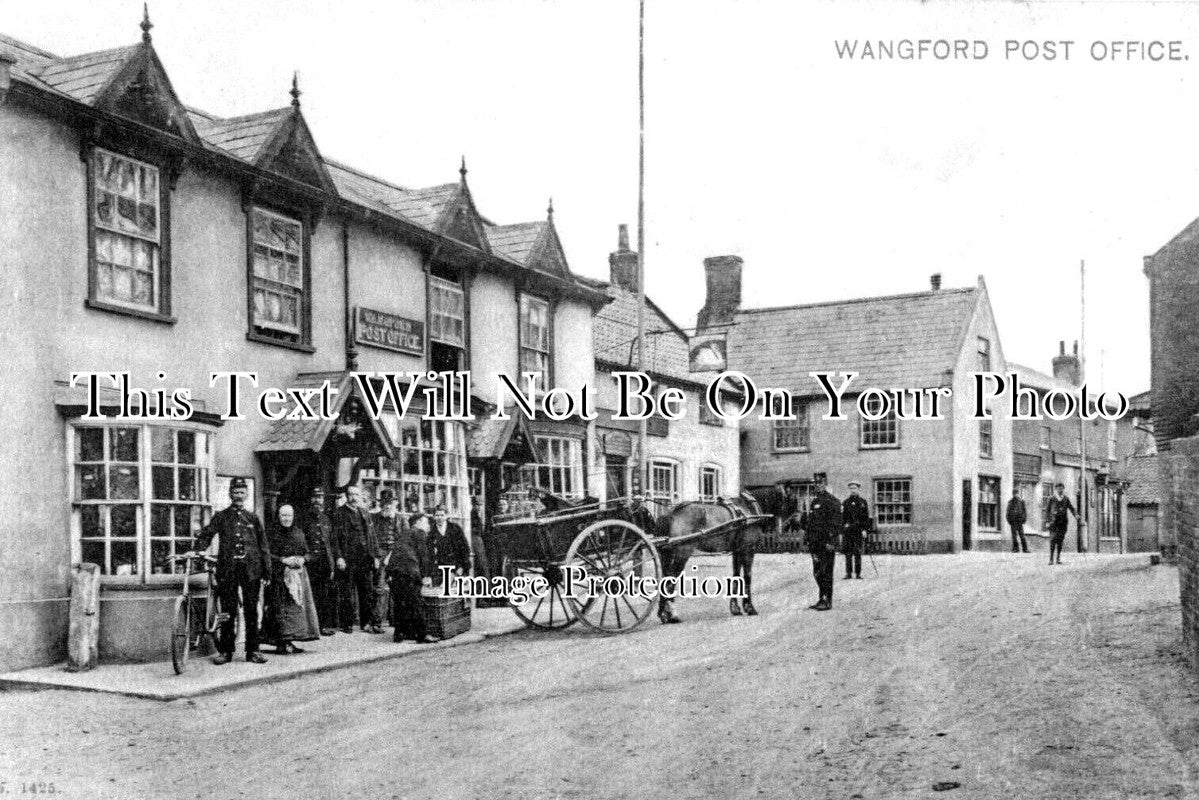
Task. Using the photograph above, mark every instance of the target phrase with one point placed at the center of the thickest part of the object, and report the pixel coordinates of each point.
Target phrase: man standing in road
(822, 529)
(321, 569)
(357, 559)
(1059, 507)
(855, 515)
(243, 560)
(1016, 515)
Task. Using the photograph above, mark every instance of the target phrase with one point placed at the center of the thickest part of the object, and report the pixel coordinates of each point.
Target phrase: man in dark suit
(356, 555)
(855, 516)
(243, 560)
(448, 545)
(321, 569)
(409, 566)
(822, 533)
(1058, 507)
(1016, 515)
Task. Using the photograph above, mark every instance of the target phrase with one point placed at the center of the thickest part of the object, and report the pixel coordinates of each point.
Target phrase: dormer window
(128, 270)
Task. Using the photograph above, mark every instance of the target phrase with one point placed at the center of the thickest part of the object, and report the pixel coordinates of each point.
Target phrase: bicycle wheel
(181, 634)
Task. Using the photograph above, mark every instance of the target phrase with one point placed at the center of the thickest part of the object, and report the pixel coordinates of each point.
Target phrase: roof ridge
(62, 60)
(857, 300)
(256, 114)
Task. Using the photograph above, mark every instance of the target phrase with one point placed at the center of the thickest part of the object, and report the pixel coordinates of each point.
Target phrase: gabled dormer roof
(447, 208)
(532, 244)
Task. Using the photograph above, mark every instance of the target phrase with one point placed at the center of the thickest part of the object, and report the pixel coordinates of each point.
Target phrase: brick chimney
(934, 281)
(622, 262)
(723, 275)
(1066, 367)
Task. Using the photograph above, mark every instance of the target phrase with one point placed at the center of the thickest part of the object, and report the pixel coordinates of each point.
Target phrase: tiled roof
(1142, 476)
(901, 341)
(245, 136)
(83, 77)
(425, 206)
(615, 328)
(364, 189)
(292, 434)
(1037, 379)
(1141, 403)
(515, 241)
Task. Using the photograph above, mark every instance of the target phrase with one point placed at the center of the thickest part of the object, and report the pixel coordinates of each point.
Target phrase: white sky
(832, 179)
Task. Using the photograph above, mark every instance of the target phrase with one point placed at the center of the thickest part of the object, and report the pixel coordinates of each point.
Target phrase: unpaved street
(994, 672)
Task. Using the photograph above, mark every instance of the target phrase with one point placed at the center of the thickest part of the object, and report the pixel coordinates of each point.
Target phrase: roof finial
(462, 169)
(146, 23)
(549, 211)
(295, 89)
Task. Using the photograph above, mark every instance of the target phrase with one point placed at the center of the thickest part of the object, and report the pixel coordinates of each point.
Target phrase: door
(967, 515)
(617, 471)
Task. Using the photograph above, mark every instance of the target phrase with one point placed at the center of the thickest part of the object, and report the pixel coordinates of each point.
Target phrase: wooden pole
(1083, 530)
(642, 456)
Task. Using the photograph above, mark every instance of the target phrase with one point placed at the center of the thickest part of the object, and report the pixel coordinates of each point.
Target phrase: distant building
(694, 458)
(933, 486)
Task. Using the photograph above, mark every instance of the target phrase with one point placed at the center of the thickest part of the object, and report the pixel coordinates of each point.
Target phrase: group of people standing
(327, 573)
(1058, 510)
(830, 525)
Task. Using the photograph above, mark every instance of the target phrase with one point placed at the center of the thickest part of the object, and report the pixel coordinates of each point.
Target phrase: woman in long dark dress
(292, 611)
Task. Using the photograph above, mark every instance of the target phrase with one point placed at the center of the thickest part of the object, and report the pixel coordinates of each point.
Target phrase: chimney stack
(622, 262)
(934, 281)
(1066, 367)
(723, 274)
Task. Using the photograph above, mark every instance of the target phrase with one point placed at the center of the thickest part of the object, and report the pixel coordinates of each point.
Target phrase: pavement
(158, 681)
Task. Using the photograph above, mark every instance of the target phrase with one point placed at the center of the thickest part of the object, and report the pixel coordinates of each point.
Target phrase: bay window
(430, 468)
(561, 469)
(139, 494)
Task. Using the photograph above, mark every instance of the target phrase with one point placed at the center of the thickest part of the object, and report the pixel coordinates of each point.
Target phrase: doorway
(967, 515)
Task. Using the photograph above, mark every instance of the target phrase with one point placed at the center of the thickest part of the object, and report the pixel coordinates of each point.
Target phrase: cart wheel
(608, 549)
(550, 612)
(182, 634)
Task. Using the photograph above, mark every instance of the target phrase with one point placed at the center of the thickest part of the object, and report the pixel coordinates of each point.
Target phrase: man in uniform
(321, 569)
(822, 528)
(1016, 516)
(356, 554)
(388, 525)
(243, 561)
(1059, 507)
(855, 515)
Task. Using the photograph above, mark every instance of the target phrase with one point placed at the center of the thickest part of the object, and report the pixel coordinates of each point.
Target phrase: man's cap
(317, 491)
(855, 483)
(237, 483)
(386, 496)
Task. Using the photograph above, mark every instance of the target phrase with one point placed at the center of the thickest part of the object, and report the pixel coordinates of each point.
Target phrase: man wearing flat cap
(321, 568)
(243, 560)
(855, 515)
(388, 525)
(822, 533)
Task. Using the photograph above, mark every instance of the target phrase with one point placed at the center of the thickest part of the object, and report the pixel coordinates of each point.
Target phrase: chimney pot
(622, 262)
(935, 281)
(622, 237)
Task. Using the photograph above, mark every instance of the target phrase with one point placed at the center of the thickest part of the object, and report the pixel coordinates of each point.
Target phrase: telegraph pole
(642, 459)
(1082, 423)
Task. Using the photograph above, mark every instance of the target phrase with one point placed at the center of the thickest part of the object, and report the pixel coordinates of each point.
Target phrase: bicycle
(188, 632)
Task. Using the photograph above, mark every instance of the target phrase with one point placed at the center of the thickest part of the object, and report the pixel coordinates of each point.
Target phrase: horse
(693, 516)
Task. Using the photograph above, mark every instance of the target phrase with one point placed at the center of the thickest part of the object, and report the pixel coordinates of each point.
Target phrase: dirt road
(993, 672)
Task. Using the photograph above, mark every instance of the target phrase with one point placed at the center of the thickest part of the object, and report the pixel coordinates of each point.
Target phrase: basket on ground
(445, 617)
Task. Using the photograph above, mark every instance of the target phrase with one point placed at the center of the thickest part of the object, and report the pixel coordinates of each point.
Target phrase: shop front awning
(509, 440)
(353, 433)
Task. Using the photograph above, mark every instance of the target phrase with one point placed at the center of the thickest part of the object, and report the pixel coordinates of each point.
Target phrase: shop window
(893, 501)
(279, 279)
(430, 469)
(535, 337)
(985, 438)
(709, 483)
(561, 472)
(877, 433)
(988, 503)
(140, 493)
(663, 483)
(129, 270)
(791, 434)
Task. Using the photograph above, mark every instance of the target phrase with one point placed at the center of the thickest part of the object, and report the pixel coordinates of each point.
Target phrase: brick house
(933, 485)
(1173, 274)
(693, 458)
(145, 236)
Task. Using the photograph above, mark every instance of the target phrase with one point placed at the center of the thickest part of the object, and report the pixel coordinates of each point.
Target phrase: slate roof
(83, 77)
(1141, 473)
(615, 327)
(425, 206)
(290, 434)
(243, 137)
(902, 341)
(490, 439)
(515, 241)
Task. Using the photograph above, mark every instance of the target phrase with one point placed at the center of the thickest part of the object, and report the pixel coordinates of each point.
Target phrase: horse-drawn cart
(582, 551)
